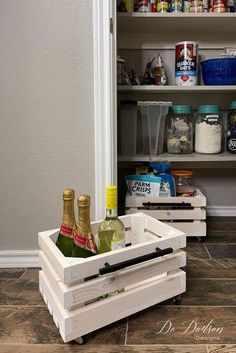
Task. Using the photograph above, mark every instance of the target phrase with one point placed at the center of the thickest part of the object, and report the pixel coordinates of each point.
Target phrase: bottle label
(87, 243)
(232, 145)
(67, 231)
(115, 245)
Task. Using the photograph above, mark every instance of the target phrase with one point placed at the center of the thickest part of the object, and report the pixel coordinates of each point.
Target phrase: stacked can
(163, 6)
(176, 5)
(186, 63)
(218, 6)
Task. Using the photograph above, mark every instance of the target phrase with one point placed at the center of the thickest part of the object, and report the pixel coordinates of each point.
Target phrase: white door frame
(104, 100)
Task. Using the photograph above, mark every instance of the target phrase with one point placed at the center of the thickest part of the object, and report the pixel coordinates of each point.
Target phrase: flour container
(128, 128)
(153, 115)
(208, 129)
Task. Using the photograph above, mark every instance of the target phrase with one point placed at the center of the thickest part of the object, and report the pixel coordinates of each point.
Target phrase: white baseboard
(19, 258)
(221, 211)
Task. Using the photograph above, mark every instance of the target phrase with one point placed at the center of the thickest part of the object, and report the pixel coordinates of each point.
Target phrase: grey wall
(46, 112)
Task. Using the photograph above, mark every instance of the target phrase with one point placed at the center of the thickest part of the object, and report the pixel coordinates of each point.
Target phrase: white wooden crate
(74, 302)
(187, 214)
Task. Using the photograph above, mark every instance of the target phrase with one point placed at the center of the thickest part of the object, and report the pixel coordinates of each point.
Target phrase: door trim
(104, 101)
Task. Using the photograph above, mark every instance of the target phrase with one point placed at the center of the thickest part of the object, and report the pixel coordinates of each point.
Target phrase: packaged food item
(163, 6)
(186, 55)
(147, 77)
(231, 6)
(142, 6)
(179, 129)
(231, 128)
(155, 72)
(153, 5)
(158, 71)
(176, 5)
(124, 5)
(167, 186)
(122, 74)
(218, 6)
(196, 6)
(184, 183)
(143, 185)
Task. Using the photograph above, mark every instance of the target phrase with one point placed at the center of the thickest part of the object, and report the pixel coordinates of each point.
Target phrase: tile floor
(205, 322)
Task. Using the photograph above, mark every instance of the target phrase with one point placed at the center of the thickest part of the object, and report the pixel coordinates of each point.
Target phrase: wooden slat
(70, 296)
(191, 229)
(197, 201)
(195, 214)
(91, 317)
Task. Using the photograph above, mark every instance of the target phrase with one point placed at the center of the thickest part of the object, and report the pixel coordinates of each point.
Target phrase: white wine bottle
(111, 232)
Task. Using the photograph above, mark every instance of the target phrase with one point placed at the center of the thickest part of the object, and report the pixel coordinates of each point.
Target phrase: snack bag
(167, 186)
(158, 71)
(143, 185)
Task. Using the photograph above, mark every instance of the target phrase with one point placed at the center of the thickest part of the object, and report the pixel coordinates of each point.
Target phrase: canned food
(142, 6)
(176, 5)
(218, 6)
(163, 6)
(186, 64)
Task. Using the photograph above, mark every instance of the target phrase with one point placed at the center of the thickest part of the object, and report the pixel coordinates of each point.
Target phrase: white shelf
(171, 22)
(191, 157)
(176, 89)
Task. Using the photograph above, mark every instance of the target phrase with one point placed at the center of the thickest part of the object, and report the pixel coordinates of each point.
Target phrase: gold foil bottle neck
(83, 201)
(68, 194)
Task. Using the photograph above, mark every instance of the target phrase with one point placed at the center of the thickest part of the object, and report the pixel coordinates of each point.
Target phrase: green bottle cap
(209, 109)
(233, 105)
(181, 109)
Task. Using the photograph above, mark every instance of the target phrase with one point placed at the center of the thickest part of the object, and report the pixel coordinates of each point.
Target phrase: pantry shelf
(192, 157)
(176, 89)
(171, 22)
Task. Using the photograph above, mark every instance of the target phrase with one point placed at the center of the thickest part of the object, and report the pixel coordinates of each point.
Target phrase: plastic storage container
(179, 129)
(231, 128)
(128, 128)
(184, 183)
(219, 71)
(153, 115)
(208, 129)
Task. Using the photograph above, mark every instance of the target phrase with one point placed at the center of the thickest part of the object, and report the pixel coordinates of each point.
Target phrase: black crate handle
(112, 268)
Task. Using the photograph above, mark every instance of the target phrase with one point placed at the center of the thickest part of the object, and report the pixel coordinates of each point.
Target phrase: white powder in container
(208, 138)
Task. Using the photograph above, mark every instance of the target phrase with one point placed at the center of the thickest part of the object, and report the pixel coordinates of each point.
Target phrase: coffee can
(186, 61)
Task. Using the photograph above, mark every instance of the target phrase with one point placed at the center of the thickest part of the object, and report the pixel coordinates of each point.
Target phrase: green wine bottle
(111, 232)
(65, 240)
(84, 243)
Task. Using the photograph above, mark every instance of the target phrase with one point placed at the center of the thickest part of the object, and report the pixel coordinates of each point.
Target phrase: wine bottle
(84, 243)
(65, 240)
(111, 232)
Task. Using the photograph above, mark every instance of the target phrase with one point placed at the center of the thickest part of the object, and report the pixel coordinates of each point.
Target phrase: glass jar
(208, 129)
(179, 129)
(184, 183)
(231, 128)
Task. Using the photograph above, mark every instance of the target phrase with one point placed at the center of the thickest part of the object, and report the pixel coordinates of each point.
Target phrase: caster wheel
(177, 300)
(79, 340)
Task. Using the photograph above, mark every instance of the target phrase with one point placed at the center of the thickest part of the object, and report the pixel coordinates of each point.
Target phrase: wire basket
(220, 71)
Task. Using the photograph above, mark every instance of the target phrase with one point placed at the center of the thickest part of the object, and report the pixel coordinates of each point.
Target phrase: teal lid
(181, 109)
(233, 105)
(210, 109)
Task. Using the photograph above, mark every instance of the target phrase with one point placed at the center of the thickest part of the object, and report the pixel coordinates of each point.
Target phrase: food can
(176, 5)
(186, 63)
(163, 5)
(218, 6)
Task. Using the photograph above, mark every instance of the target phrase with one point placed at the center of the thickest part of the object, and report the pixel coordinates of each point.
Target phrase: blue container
(219, 71)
